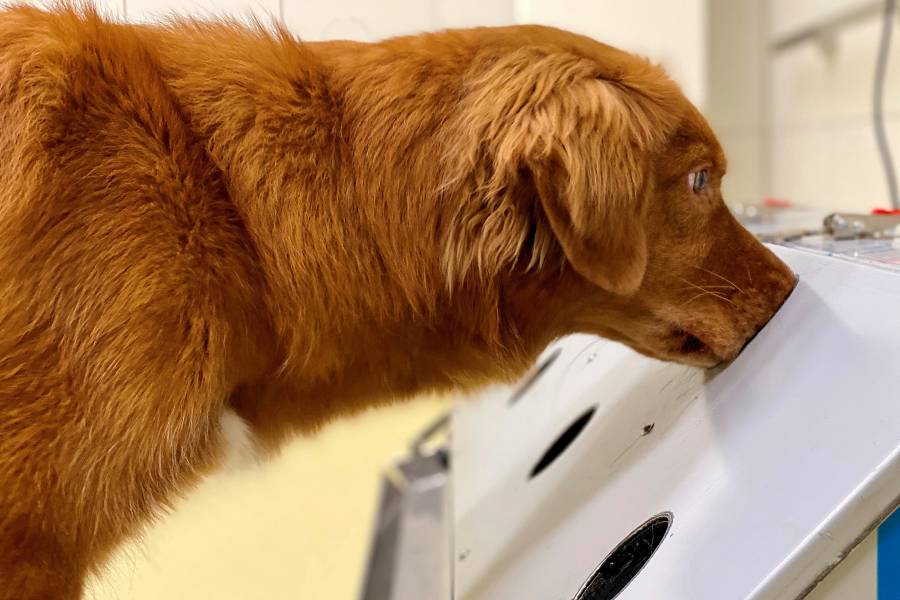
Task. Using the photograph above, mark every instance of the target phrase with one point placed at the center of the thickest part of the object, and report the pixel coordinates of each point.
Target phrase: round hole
(562, 442)
(533, 375)
(626, 561)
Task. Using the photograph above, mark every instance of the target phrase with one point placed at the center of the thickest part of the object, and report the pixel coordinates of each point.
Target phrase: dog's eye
(698, 179)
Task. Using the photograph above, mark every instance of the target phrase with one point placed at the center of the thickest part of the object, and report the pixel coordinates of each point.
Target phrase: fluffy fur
(201, 216)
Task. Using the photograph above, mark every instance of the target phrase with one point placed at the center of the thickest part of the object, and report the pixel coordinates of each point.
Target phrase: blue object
(889, 558)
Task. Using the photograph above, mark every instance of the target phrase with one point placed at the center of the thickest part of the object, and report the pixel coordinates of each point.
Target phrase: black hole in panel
(562, 442)
(533, 375)
(626, 561)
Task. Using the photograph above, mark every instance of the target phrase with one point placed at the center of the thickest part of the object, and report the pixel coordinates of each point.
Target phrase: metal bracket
(844, 226)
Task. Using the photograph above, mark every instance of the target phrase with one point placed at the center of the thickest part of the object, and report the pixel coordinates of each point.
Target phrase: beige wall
(737, 100)
(293, 528)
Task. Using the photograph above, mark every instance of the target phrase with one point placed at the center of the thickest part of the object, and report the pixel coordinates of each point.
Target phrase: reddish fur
(202, 216)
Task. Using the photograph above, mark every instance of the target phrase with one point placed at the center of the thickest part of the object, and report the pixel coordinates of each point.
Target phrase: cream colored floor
(294, 528)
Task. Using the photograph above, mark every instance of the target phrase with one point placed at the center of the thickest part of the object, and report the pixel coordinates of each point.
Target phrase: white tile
(811, 88)
(835, 168)
(802, 170)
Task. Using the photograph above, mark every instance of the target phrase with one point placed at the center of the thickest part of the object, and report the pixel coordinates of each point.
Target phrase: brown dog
(201, 216)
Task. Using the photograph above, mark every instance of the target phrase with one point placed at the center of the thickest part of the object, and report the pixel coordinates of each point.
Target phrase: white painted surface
(771, 468)
(362, 20)
(113, 8)
(472, 13)
(155, 10)
(358, 19)
(365, 20)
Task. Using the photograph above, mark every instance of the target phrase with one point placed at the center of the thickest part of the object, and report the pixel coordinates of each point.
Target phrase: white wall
(108, 7)
(797, 124)
(787, 16)
(369, 20)
(364, 20)
(151, 10)
(823, 145)
(737, 99)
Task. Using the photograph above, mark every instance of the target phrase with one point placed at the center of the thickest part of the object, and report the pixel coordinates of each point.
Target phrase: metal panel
(410, 555)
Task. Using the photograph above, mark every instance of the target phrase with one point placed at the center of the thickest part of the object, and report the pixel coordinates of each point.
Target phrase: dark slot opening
(626, 561)
(562, 442)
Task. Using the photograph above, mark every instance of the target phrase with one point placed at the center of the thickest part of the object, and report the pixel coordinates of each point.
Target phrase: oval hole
(533, 375)
(562, 442)
(626, 561)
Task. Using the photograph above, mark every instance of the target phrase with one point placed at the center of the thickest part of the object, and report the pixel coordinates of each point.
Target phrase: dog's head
(587, 157)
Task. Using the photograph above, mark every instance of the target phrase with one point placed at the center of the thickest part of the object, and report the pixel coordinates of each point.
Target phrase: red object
(777, 203)
(885, 211)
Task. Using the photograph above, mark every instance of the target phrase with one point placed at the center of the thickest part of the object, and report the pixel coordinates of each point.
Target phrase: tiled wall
(797, 124)
(823, 145)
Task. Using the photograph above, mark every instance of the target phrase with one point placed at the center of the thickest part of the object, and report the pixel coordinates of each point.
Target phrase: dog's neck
(340, 194)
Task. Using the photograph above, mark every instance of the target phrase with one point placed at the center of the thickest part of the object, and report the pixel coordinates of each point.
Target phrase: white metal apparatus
(605, 474)
(770, 470)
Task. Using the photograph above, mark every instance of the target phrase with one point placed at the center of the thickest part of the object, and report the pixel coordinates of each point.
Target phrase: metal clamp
(848, 225)
(418, 445)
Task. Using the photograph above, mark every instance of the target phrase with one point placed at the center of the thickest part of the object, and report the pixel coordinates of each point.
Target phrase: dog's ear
(584, 136)
(593, 194)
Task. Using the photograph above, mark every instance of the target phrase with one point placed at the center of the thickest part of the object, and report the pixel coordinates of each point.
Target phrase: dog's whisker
(708, 293)
(692, 285)
(706, 287)
(725, 279)
(696, 297)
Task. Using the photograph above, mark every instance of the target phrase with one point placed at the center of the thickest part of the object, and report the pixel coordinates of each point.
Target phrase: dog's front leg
(90, 449)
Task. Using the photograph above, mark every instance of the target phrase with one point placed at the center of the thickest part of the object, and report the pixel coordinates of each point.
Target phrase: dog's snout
(773, 284)
(780, 282)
